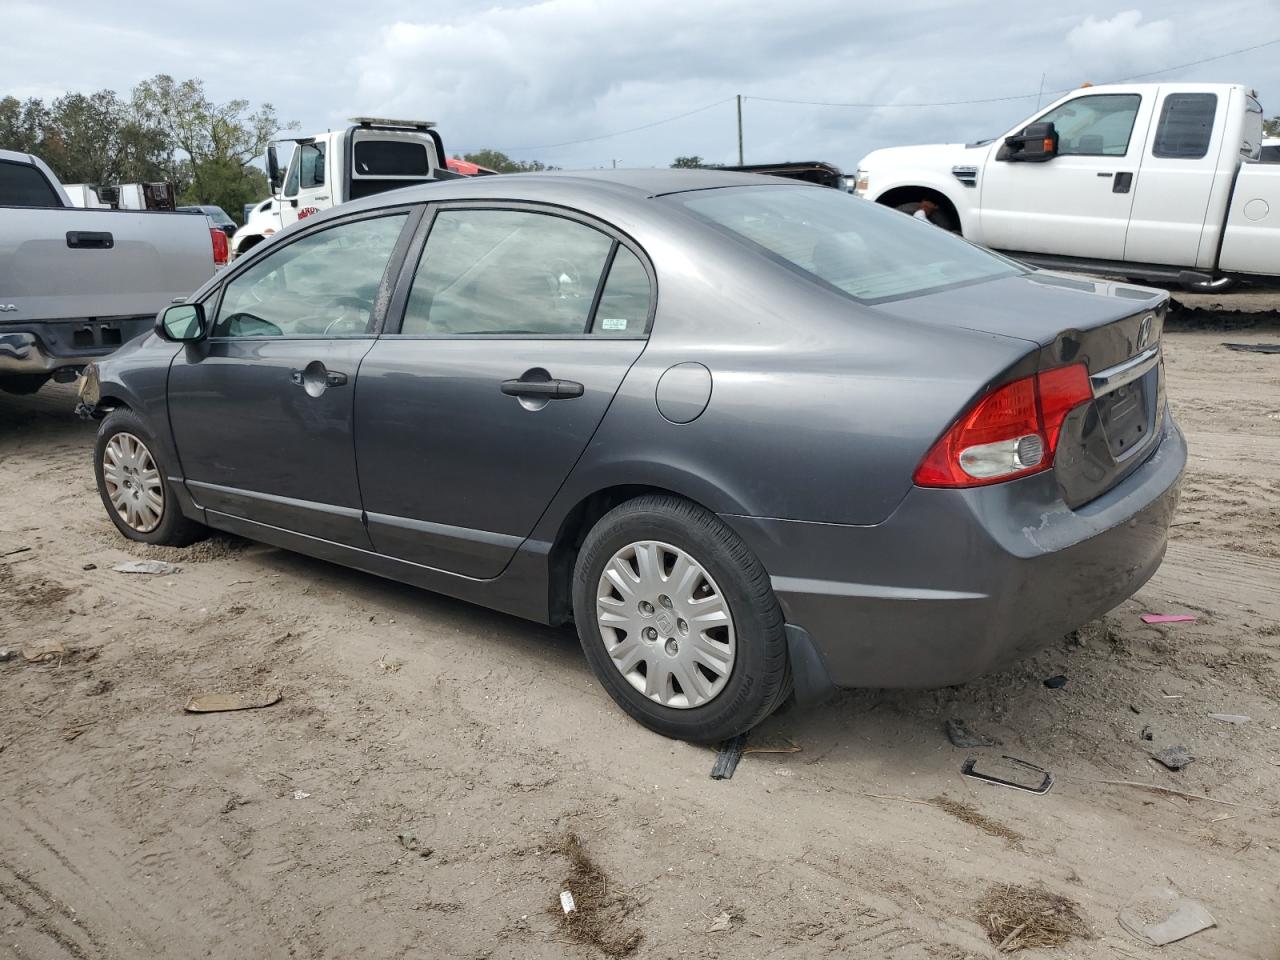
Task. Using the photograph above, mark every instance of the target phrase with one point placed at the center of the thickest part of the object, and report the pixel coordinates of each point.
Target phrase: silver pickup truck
(75, 284)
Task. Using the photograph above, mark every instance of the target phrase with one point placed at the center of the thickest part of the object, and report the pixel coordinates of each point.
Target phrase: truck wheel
(23, 384)
(678, 620)
(134, 486)
(933, 212)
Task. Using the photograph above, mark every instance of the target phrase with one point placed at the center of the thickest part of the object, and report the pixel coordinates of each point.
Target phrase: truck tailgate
(1252, 240)
(58, 264)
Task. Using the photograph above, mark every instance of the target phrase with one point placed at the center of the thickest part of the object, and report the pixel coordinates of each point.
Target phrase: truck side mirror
(181, 323)
(273, 169)
(1037, 143)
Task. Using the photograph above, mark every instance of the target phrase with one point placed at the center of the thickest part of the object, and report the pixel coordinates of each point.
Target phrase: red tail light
(221, 250)
(1010, 432)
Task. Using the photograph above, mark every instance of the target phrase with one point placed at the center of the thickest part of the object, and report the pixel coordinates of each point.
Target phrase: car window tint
(22, 185)
(311, 165)
(324, 284)
(1186, 126)
(624, 304)
(505, 273)
(1095, 126)
(861, 248)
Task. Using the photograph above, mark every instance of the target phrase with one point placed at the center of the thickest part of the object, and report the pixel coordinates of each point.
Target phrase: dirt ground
(435, 774)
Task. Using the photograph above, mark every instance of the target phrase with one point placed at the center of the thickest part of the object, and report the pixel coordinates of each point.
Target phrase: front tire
(678, 620)
(134, 487)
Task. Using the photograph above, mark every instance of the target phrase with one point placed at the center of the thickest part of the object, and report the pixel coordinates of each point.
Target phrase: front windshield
(863, 249)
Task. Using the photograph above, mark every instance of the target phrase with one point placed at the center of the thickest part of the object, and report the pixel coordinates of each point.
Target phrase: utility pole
(740, 160)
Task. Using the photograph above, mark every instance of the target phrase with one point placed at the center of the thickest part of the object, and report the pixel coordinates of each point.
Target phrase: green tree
(1271, 128)
(499, 161)
(211, 146)
(22, 124)
(690, 163)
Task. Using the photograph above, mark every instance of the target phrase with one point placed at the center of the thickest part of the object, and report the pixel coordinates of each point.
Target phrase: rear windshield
(862, 249)
(391, 158)
(22, 185)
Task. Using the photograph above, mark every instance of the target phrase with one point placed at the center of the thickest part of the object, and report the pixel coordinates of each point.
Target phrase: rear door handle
(1122, 183)
(543, 389)
(90, 240)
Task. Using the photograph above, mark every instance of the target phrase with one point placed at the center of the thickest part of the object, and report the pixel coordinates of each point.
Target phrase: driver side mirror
(1035, 144)
(273, 169)
(181, 323)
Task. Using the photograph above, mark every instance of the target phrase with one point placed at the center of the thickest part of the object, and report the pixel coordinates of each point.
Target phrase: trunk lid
(1114, 329)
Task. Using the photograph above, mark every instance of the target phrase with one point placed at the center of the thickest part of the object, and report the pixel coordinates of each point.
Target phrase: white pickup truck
(76, 284)
(370, 156)
(1157, 182)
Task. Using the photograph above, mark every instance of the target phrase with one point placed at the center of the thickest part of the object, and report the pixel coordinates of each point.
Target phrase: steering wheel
(356, 312)
(562, 268)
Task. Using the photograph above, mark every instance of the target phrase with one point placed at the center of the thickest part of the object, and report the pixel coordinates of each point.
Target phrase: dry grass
(1017, 917)
(599, 919)
(962, 811)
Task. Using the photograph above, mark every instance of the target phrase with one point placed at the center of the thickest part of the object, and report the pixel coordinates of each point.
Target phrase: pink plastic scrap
(1167, 618)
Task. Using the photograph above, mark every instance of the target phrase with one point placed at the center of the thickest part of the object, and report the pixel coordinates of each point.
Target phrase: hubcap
(665, 624)
(133, 482)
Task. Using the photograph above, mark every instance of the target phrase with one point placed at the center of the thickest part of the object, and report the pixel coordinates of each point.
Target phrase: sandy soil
(435, 773)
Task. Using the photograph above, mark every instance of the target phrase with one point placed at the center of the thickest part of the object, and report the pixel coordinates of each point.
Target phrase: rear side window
(505, 273)
(858, 247)
(22, 185)
(1186, 126)
(624, 302)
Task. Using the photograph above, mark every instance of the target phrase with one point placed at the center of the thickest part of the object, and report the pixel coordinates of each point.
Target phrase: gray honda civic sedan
(754, 438)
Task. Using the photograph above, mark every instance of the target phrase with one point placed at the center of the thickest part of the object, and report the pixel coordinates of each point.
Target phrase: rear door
(1078, 203)
(1181, 162)
(262, 410)
(519, 323)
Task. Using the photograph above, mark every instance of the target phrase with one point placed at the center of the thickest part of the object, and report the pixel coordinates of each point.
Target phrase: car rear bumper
(44, 346)
(958, 582)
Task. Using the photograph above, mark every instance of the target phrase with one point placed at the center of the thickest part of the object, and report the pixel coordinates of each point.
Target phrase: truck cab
(370, 156)
(1155, 181)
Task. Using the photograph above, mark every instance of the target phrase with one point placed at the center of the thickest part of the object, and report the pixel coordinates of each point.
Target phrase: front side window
(1095, 126)
(1186, 126)
(506, 273)
(862, 249)
(291, 177)
(311, 165)
(324, 284)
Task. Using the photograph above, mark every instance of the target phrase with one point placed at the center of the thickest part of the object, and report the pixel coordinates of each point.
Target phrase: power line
(1023, 96)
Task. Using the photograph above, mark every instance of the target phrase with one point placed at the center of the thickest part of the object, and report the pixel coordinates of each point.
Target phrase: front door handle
(543, 389)
(315, 378)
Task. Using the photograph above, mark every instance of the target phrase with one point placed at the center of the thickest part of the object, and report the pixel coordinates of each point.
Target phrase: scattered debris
(8, 653)
(960, 735)
(157, 567)
(300, 795)
(1253, 347)
(90, 566)
(389, 666)
(1156, 788)
(74, 730)
(1056, 683)
(1175, 758)
(231, 803)
(962, 811)
(1017, 917)
(787, 746)
(1147, 734)
(410, 842)
(1160, 915)
(722, 922)
(44, 651)
(601, 912)
(1134, 708)
(1235, 718)
(566, 901)
(1168, 618)
(728, 756)
(221, 702)
(1016, 766)
(14, 551)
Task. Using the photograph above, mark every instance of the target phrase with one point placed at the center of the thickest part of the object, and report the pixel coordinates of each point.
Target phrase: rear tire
(134, 486)
(745, 683)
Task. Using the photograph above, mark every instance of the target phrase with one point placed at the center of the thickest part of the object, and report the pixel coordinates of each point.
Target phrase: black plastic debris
(1254, 347)
(960, 735)
(1175, 758)
(728, 756)
(1054, 683)
(1147, 734)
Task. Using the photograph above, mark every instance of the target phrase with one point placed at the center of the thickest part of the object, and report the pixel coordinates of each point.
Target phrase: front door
(519, 327)
(262, 410)
(1077, 203)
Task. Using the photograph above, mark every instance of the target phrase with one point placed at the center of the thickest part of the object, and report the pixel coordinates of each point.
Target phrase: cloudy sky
(531, 77)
